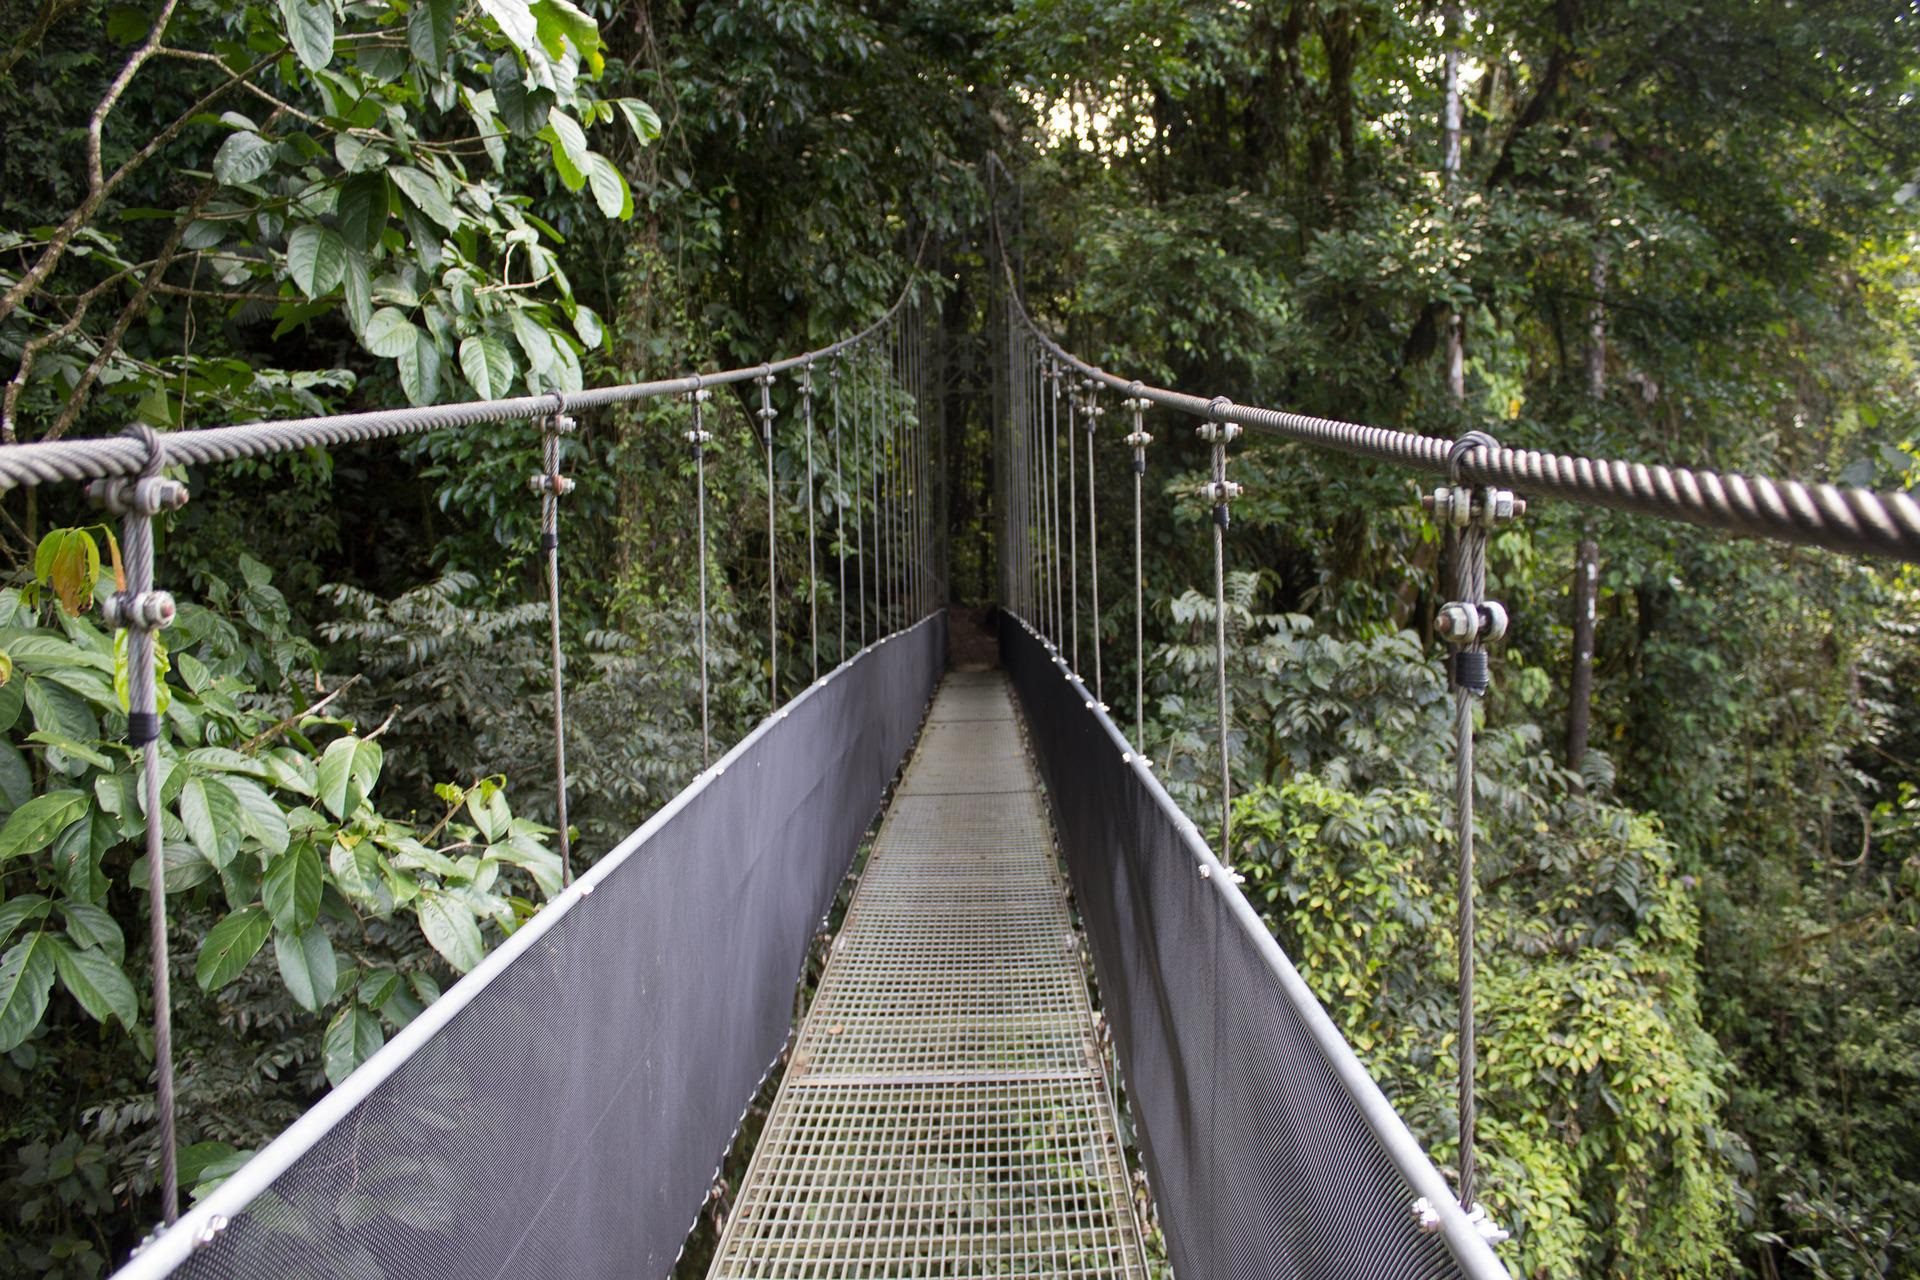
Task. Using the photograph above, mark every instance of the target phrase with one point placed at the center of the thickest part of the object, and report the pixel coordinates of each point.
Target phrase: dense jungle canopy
(1678, 230)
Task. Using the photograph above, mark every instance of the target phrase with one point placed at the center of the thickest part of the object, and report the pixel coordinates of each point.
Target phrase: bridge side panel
(565, 1112)
(1270, 1153)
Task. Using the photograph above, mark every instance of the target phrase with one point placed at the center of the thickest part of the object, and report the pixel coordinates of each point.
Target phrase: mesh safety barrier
(1270, 1152)
(561, 1110)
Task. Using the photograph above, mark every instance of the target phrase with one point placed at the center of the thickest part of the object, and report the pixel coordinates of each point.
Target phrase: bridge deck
(945, 1112)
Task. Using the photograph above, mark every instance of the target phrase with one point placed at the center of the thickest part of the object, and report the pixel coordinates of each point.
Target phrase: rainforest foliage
(1678, 230)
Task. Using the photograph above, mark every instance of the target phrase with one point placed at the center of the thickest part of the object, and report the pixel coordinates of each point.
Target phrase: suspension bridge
(948, 1105)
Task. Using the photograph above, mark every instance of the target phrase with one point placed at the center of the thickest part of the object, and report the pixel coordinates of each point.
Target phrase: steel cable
(1853, 520)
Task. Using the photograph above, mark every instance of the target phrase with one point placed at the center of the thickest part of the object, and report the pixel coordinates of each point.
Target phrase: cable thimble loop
(1090, 406)
(1219, 491)
(697, 435)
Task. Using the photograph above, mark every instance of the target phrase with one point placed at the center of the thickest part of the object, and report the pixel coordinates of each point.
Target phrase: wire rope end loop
(1428, 1217)
(1469, 443)
(1216, 429)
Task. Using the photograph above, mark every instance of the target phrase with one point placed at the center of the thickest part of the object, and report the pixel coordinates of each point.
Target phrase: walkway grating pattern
(945, 1113)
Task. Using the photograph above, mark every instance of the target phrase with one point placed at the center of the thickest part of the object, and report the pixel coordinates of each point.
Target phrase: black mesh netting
(1262, 1159)
(569, 1118)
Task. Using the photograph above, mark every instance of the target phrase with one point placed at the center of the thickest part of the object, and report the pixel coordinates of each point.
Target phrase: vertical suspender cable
(1090, 413)
(1221, 492)
(1468, 623)
(552, 486)
(813, 569)
(1056, 373)
(859, 482)
(1139, 440)
(1073, 527)
(141, 611)
(839, 511)
(698, 437)
(873, 480)
(765, 380)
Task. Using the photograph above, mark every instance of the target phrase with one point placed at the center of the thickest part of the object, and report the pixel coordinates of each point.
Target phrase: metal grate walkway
(945, 1113)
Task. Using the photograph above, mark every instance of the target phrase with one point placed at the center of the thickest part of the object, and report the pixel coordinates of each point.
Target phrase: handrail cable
(1839, 518)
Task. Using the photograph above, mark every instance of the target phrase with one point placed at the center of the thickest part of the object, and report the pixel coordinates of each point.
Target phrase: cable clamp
(558, 486)
(1139, 439)
(1461, 623)
(1220, 492)
(699, 439)
(138, 610)
(141, 496)
(1218, 432)
(1463, 506)
(558, 424)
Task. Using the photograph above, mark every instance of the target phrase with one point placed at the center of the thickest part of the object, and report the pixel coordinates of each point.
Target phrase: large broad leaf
(558, 23)
(534, 340)
(18, 911)
(260, 814)
(420, 370)
(26, 980)
(32, 826)
(353, 1036)
(211, 815)
(96, 980)
(516, 21)
(308, 966)
(365, 202)
(425, 195)
(610, 190)
(389, 333)
(348, 770)
(641, 118)
(488, 365)
(451, 929)
(309, 30)
(316, 259)
(523, 110)
(430, 31)
(91, 926)
(292, 887)
(230, 944)
(244, 157)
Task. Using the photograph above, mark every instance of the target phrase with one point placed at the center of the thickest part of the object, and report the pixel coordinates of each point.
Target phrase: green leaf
(569, 140)
(260, 815)
(16, 780)
(516, 21)
(244, 157)
(558, 23)
(292, 887)
(420, 370)
(610, 190)
(359, 293)
(488, 365)
(201, 811)
(430, 31)
(451, 929)
(534, 340)
(230, 944)
(26, 981)
(97, 982)
(522, 109)
(641, 118)
(352, 1037)
(365, 202)
(91, 926)
(425, 195)
(32, 826)
(310, 30)
(316, 259)
(389, 333)
(586, 323)
(308, 966)
(18, 911)
(76, 862)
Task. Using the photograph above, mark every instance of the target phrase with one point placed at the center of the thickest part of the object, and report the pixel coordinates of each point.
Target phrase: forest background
(1679, 230)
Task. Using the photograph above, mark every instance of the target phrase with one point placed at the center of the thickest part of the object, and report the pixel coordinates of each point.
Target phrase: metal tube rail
(1853, 520)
